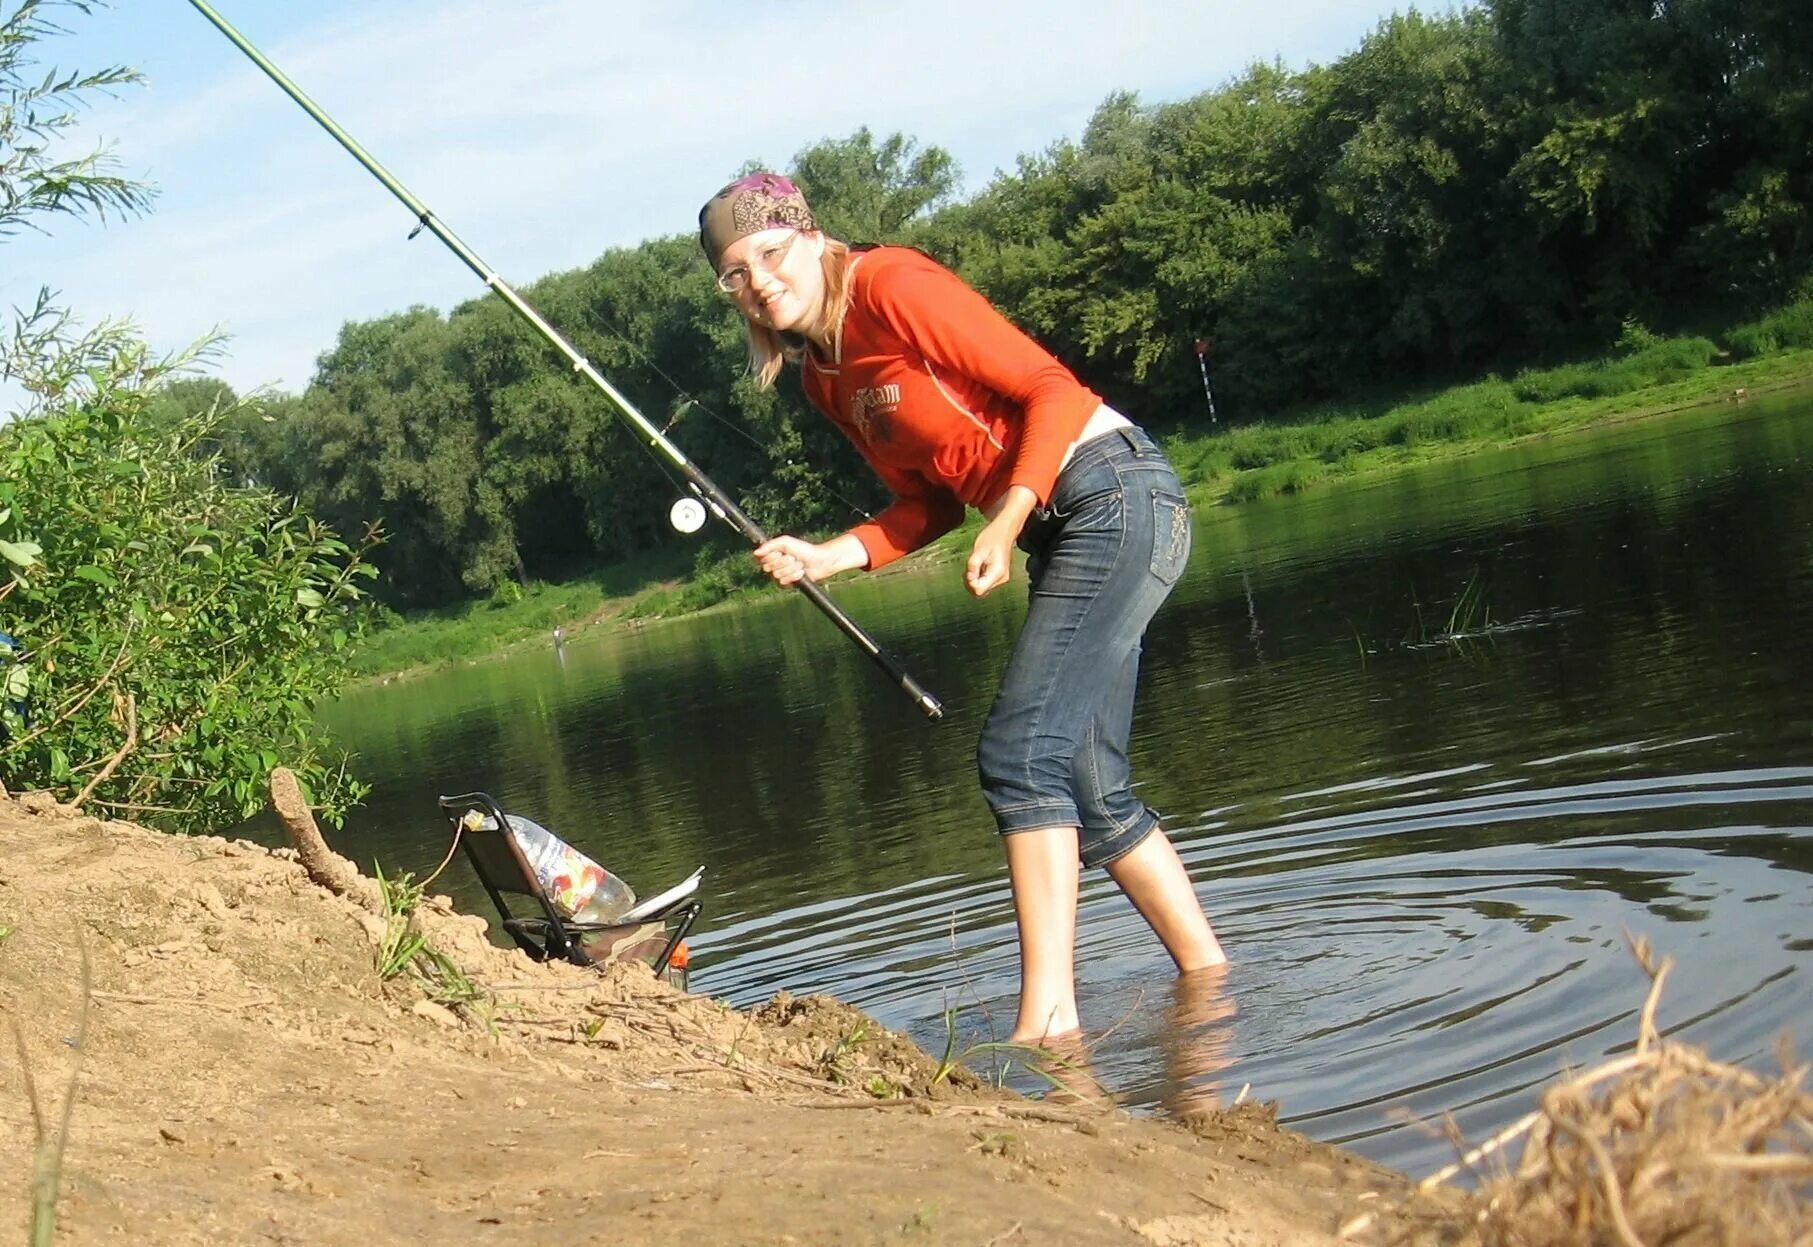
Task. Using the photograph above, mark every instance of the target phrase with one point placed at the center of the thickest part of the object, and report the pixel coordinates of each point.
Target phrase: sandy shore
(246, 1077)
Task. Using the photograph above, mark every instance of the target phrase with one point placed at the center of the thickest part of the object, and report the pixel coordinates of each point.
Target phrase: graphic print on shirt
(872, 410)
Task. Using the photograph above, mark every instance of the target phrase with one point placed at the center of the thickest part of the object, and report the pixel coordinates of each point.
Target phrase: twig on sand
(1029, 1112)
(1004, 1235)
(1663, 1144)
(191, 1002)
(323, 865)
(1608, 1177)
(1474, 1156)
(730, 1054)
(756, 1071)
(1646, 1021)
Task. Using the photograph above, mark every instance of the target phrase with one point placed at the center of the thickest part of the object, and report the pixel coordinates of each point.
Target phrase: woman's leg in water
(1154, 879)
(1122, 540)
(1122, 835)
(1043, 867)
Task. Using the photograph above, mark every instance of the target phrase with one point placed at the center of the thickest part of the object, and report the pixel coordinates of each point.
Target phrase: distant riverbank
(1647, 375)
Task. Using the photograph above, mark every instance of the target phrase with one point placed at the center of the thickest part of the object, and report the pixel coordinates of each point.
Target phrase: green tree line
(1506, 184)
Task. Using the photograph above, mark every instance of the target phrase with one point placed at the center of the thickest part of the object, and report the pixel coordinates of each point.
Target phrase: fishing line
(706, 490)
(613, 328)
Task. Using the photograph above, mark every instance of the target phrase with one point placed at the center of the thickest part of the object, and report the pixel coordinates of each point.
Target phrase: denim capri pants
(1102, 556)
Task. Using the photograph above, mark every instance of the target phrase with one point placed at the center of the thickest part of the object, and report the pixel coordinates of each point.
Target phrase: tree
(1461, 192)
(174, 629)
(1409, 216)
(35, 115)
(866, 191)
(178, 629)
(1663, 143)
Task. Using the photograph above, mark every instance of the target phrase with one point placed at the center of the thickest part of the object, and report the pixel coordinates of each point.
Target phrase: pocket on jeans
(1170, 534)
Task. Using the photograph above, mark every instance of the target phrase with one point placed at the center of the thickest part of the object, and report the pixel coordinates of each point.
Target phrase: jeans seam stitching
(1070, 641)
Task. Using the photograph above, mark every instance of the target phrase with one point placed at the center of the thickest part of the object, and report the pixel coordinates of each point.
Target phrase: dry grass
(1665, 1147)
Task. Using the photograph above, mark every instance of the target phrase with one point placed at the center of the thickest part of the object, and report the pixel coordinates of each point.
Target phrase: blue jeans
(1102, 556)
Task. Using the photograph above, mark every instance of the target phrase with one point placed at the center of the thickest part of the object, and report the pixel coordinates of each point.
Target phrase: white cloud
(547, 130)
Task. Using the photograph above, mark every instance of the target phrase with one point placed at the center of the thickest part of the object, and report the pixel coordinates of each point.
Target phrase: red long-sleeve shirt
(948, 401)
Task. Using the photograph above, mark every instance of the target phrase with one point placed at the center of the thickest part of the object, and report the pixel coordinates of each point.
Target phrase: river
(1430, 743)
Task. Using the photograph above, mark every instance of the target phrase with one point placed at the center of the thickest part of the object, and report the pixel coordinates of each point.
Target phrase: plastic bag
(578, 887)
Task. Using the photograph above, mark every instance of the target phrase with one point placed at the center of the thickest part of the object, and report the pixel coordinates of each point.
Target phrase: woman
(953, 406)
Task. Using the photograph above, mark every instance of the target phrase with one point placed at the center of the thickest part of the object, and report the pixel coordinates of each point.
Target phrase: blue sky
(545, 131)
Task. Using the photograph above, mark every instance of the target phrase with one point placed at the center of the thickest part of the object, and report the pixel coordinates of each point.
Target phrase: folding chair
(490, 839)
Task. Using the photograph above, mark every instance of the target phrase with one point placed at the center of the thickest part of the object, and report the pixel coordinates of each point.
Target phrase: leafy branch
(34, 118)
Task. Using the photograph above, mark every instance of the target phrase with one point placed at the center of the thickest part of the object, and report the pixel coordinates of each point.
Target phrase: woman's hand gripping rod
(716, 499)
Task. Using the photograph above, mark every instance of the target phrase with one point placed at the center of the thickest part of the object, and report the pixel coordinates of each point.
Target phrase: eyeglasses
(736, 280)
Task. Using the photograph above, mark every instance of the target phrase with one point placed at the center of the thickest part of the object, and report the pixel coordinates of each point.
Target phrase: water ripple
(1392, 961)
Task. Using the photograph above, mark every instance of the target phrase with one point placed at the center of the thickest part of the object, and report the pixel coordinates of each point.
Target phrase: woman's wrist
(845, 553)
(1013, 507)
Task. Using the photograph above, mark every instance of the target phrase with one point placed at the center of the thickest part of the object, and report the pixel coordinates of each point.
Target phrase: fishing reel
(687, 515)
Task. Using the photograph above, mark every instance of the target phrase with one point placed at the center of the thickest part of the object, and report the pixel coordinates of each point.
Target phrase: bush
(1352, 436)
(1279, 478)
(1665, 360)
(716, 575)
(177, 630)
(1787, 329)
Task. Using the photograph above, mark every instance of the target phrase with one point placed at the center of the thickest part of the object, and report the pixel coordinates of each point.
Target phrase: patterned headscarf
(748, 206)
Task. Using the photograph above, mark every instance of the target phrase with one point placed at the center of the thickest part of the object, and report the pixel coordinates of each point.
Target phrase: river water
(1430, 745)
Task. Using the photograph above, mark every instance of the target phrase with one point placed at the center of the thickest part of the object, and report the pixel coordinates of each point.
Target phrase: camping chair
(489, 837)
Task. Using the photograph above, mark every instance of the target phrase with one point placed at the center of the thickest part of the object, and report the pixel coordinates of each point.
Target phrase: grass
(517, 614)
(1789, 329)
(1296, 451)
(1647, 373)
(836, 1060)
(1470, 615)
(404, 950)
(49, 1143)
(652, 586)
(1037, 1059)
(402, 941)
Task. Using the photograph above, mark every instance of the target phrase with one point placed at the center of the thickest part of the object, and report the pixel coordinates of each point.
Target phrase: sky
(544, 132)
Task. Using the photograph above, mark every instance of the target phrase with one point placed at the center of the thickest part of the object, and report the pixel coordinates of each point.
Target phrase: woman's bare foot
(1063, 1062)
(1041, 1032)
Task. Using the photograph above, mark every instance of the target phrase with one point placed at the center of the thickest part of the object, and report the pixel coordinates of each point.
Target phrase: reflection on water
(1197, 1043)
(1430, 745)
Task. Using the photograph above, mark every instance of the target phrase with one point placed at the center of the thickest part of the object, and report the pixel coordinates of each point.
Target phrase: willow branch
(119, 756)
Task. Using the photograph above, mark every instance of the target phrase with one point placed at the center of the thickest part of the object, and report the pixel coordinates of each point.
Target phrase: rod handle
(733, 515)
(929, 705)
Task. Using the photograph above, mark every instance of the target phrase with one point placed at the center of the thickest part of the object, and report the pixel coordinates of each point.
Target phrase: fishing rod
(686, 511)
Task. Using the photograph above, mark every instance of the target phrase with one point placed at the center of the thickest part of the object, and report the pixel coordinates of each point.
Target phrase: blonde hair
(768, 351)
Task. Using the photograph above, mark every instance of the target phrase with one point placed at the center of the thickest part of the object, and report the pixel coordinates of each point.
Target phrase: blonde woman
(953, 407)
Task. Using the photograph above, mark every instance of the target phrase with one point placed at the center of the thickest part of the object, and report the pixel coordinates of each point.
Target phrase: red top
(948, 401)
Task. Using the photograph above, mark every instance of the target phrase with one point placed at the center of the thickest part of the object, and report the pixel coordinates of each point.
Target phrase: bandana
(748, 206)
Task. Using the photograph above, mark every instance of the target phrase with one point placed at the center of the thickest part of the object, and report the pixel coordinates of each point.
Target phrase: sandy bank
(246, 1077)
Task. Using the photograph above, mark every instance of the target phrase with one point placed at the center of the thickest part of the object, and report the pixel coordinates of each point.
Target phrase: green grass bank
(1645, 375)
